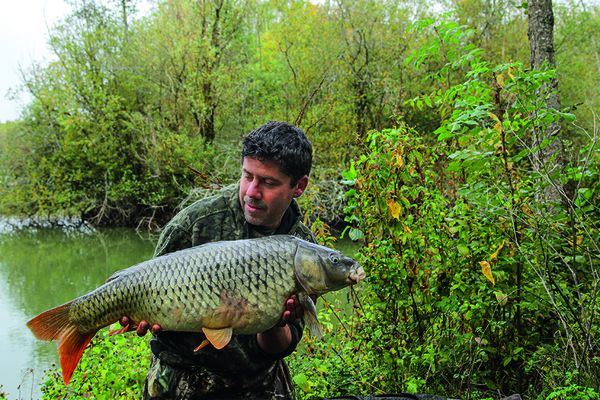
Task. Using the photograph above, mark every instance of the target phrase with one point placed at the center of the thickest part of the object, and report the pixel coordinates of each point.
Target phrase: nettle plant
(468, 269)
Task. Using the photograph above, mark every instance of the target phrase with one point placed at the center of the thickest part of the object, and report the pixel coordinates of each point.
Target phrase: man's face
(265, 192)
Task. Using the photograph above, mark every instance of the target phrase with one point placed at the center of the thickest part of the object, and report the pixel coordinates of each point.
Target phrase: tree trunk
(124, 18)
(541, 40)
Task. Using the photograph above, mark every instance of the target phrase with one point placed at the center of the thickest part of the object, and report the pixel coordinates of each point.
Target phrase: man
(276, 163)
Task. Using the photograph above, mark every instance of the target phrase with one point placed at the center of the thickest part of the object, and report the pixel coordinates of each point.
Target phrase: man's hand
(141, 328)
(279, 338)
(293, 310)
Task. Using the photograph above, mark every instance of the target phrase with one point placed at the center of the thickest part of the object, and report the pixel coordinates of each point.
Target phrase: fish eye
(334, 258)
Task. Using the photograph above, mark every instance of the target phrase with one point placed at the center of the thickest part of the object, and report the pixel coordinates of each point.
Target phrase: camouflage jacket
(241, 367)
(220, 217)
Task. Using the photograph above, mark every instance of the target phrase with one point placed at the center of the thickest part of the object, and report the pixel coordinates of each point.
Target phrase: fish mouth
(357, 275)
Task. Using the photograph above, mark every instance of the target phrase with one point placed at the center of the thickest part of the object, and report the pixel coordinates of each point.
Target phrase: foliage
(575, 76)
(88, 146)
(467, 269)
(572, 391)
(131, 103)
(112, 367)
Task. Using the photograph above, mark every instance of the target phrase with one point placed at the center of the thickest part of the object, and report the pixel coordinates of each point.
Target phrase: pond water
(42, 268)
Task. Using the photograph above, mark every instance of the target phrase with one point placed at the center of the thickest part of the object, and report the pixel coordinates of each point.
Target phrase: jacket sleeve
(172, 238)
(296, 328)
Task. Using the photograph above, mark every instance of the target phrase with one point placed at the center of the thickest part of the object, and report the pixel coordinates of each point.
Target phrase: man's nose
(253, 190)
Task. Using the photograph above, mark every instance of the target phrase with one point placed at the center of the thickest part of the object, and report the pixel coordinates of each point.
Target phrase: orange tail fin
(54, 324)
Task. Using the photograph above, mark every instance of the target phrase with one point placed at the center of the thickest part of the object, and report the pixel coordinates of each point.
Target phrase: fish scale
(220, 288)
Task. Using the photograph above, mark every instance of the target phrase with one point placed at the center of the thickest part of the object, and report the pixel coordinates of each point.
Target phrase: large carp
(220, 288)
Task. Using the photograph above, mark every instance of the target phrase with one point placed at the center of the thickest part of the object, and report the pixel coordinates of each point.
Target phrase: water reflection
(41, 268)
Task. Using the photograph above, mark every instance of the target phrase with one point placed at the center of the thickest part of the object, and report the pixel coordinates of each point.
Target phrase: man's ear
(301, 186)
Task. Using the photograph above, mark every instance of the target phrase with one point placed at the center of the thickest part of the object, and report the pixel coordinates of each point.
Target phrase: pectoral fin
(219, 338)
(310, 316)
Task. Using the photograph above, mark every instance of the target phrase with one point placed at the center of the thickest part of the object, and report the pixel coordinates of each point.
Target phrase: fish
(219, 288)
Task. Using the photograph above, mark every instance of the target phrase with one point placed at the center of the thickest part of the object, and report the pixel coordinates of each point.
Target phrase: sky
(23, 40)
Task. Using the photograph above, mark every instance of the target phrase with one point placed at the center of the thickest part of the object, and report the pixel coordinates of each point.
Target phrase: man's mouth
(253, 207)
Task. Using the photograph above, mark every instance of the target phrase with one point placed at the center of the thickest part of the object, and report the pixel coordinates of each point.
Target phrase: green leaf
(350, 175)
(568, 116)
(444, 134)
(355, 234)
(302, 381)
(462, 249)
(454, 166)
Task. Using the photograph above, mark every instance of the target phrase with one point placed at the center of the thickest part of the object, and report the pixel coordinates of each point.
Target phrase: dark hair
(282, 143)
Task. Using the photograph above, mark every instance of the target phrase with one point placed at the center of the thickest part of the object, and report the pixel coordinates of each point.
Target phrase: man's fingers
(142, 328)
(155, 328)
(128, 324)
(287, 315)
(293, 310)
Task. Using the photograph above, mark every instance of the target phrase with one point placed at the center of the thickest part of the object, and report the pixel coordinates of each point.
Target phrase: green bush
(478, 283)
(112, 367)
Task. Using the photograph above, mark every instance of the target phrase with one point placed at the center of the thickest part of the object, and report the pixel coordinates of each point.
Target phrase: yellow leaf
(487, 271)
(407, 229)
(494, 117)
(399, 160)
(498, 250)
(510, 73)
(500, 80)
(395, 208)
(498, 127)
(398, 155)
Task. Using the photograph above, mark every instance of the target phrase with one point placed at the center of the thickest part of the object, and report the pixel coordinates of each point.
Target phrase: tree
(541, 39)
(193, 53)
